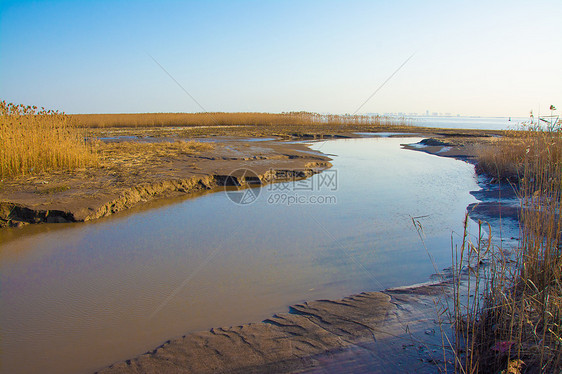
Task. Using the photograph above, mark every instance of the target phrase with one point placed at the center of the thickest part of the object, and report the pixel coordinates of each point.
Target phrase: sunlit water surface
(459, 122)
(77, 297)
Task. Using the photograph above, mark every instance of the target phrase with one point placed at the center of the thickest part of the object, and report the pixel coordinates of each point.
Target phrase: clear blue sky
(490, 58)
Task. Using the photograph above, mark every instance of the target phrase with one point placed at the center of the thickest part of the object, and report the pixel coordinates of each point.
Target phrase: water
(479, 123)
(77, 297)
(384, 134)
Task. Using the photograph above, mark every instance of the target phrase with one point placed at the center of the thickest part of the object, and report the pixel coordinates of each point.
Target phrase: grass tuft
(33, 141)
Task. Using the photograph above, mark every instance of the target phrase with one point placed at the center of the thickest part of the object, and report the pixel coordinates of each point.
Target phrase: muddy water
(77, 297)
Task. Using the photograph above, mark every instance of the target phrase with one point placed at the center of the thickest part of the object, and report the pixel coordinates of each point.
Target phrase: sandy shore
(395, 331)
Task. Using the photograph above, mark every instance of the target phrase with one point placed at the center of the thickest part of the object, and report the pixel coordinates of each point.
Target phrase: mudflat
(391, 332)
(142, 164)
(136, 172)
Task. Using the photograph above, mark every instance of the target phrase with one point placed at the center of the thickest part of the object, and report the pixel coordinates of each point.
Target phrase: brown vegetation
(33, 141)
(511, 319)
(533, 151)
(228, 119)
(138, 153)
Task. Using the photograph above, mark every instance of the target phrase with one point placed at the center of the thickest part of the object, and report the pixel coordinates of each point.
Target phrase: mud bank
(123, 182)
(84, 195)
(395, 328)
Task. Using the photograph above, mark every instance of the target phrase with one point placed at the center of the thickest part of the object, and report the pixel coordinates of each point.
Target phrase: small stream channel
(78, 297)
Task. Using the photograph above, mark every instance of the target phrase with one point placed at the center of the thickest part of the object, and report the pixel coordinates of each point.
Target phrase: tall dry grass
(532, 151)
(229, 119)
(33, 141)
(511, 319)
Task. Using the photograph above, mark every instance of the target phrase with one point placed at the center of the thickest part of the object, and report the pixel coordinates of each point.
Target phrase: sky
(487, 58)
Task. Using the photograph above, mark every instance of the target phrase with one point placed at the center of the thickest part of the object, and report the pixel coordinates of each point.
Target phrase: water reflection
(105, 291)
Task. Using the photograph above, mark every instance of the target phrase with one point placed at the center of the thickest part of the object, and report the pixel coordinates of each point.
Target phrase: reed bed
(229, 119)
(510, 320)
(531, 151)
(34, 141)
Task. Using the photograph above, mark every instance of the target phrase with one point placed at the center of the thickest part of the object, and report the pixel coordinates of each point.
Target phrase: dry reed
(229, 119)
(136, 153)
(529, 151)
(511, 319)
(34, 141)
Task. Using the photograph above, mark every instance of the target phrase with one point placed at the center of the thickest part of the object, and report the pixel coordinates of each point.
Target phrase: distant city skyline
(477, 58)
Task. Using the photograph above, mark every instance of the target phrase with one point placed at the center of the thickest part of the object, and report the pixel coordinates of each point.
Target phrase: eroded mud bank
(84, 195)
